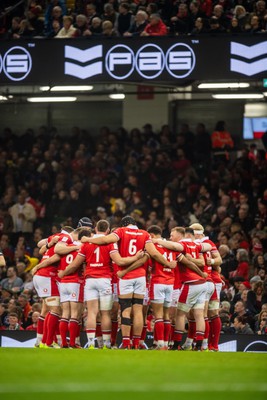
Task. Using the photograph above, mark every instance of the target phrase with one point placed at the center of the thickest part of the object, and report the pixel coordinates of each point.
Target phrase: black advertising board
(164, 59)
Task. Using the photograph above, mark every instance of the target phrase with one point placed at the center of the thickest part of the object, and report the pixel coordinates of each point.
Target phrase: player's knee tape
(53, 301)
(125, 303)
(214, 305)
(126, 321)
(137, 301)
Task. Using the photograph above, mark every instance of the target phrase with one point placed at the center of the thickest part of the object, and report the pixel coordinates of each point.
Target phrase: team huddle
(121, 273)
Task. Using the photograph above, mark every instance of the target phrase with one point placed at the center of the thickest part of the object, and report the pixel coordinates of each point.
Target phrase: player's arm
(135, 265)
(125, 261)
(48, 261)
(154, 253)
(205, 247)
(62, 249)
(189, 264)
(200, 262)
(45, 245)
(72, 267)
(108, 239)
(215, 261)
(42, 243)
(169, 245)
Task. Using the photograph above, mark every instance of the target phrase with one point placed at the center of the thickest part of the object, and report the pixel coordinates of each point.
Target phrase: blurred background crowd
(48, 180)
(115, 18)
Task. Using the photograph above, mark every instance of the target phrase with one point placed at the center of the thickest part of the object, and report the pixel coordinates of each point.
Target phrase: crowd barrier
(228, 343)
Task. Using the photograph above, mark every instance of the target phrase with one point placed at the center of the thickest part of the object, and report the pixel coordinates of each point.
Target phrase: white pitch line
(124, 387)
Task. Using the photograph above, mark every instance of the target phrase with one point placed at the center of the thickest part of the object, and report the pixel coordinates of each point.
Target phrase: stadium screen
(254, 128)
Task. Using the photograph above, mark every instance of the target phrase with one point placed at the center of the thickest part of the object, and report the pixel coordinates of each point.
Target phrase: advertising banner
(164, 59)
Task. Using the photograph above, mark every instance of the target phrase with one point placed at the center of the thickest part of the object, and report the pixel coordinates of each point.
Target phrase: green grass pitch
(116, 374)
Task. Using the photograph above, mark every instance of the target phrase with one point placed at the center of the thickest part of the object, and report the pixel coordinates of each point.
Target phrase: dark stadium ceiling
(191, 90)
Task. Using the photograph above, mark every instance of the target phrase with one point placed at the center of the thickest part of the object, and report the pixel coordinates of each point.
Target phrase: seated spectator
(242, 266)
(181, 23)
(33, 327)
(96, 26)
(155, 28)
(12, 283)
(3, 316)
(139, 25)
(229, 262)
(13, 322)
(241, 326)
(241, 311)
(199, 26)
(242, 16)
(234, 27)
(13, 32)
(255, 26)
(261, 317)
(110, 14)
(254, 299)
(53, 13)
(108, 29)
(125, 19)
(215, 26)
(26, 309)
(81, 26)
(68, 30)
(226, 327)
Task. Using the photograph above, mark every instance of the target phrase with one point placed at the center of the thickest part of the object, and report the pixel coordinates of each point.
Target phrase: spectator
(23, 215)
(254, 299)
(13, 322)
(242, 266)
(155, 28)
(68, 29)
(26, 309)
(12, 283)
(33, 327)
(241, 326)
(229, 262)
(139, 25)
(125, 19)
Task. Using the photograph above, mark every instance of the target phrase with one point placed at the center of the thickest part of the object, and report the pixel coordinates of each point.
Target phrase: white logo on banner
(180, 60)
(116, 57)
(17, 63)
(247, 66)
(121, 61)
(83, 57)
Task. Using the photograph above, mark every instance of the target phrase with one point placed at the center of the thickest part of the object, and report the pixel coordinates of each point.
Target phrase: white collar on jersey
(96, 235)
(185, 240)
(132, 226)
(202, 239)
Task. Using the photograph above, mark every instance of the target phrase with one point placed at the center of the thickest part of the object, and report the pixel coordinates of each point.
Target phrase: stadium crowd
(49, 181)
(114, 18)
